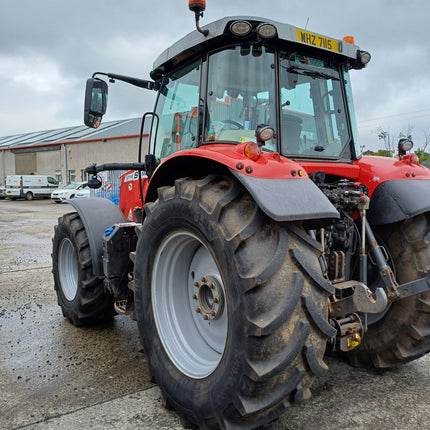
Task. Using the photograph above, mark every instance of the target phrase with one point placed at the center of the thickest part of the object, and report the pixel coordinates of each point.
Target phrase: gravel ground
(54, 375)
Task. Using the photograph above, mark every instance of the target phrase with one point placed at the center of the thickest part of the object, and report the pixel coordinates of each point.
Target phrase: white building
(64, 153)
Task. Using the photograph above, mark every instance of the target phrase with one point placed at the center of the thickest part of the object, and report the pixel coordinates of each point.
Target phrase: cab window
(313, 111)
(241, 93)
(177, 111)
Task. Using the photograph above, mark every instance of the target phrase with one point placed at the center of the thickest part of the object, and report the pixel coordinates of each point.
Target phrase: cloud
(48, 48)
(35, 73)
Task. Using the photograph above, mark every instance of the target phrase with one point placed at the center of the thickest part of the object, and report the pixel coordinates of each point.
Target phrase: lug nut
(203, 279)
(198, 310)
(211, 286)
(213, 313)
(206, 317)
(195, 296)
(216, 300)
(196, 284)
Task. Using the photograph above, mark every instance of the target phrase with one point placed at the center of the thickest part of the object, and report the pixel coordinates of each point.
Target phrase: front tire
(29, 196)
(403, 334)
(233, 327)
(80, 294)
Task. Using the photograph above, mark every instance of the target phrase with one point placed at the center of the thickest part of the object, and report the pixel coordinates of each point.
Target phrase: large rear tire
(80, 294)
(403, 332)
(230, 313)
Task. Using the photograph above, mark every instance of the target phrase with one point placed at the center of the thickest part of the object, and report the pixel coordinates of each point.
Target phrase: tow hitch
(348, 315)
(344, 313)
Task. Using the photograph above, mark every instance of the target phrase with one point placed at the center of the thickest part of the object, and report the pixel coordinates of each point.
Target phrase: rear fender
(97, 215)
(280, 199)
(289, 199)
(399, 199)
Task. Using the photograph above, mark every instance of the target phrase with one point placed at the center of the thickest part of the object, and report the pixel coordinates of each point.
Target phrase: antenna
(307, 21)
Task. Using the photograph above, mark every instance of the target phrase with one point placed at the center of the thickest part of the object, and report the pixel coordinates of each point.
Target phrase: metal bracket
(362, 300)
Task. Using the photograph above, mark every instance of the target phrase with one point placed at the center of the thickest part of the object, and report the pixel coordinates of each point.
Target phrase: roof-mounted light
(363, 57)
(266, 31)
(241, 28)
(349, 39)
(197, 6)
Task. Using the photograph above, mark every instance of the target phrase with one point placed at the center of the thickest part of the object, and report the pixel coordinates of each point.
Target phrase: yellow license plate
(317, 40)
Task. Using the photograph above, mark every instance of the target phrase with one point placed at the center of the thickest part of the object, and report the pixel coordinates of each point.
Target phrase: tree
(390, 142)
(387, 138)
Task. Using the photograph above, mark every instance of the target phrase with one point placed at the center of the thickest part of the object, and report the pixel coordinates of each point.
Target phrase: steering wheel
(233, 123)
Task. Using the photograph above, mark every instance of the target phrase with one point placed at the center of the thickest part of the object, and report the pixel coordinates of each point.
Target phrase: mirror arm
(142, 83)
(94, 168)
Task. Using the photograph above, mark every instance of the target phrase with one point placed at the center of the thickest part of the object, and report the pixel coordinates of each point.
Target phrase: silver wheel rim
(68, 269)
(188, 302)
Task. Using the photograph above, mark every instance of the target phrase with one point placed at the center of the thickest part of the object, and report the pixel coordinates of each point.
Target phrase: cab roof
(196, 43)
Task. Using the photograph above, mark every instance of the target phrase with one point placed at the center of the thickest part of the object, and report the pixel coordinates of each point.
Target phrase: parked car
(2, 192)
(68, 192)
(85, 193)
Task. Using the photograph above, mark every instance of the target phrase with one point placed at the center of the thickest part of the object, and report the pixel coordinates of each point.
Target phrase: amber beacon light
(198, 6)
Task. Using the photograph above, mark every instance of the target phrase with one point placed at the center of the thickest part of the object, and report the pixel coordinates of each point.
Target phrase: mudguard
(97, 215)
(289, 199)
(399, 199)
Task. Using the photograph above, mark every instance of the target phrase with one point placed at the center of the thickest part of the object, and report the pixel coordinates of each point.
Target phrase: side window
(177, 110)
(52, 181)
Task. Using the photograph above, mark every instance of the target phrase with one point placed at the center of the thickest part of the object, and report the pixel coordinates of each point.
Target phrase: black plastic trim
(399, 199)
(289, 199)
(97, 215)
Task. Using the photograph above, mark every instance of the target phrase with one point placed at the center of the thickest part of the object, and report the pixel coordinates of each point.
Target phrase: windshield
(242, 94)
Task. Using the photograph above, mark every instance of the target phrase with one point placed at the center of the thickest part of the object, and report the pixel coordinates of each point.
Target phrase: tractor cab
(248, 73)
(241, 75)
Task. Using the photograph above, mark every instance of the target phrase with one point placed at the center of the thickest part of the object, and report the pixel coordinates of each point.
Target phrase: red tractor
(260, 235)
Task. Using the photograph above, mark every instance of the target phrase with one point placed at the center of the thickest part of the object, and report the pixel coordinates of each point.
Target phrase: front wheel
(80, 294)
(29, 196)
(233, 327)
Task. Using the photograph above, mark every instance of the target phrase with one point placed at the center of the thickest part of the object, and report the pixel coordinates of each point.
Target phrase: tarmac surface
(57, 376)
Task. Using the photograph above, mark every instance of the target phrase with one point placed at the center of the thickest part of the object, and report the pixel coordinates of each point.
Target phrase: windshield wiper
(313, 73)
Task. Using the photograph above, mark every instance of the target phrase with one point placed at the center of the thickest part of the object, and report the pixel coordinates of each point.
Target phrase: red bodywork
(129, 196)
(369, 171)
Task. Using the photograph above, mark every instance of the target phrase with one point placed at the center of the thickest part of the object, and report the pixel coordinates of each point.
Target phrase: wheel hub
(209, 298)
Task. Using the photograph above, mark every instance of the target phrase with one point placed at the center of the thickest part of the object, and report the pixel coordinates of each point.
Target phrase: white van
(30, 186)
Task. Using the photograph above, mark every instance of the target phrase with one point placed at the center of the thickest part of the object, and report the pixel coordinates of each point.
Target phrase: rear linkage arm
(344, 312)
(363, 300)
(393, 290)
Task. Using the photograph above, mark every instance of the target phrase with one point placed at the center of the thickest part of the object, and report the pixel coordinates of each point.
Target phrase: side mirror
(96, 95)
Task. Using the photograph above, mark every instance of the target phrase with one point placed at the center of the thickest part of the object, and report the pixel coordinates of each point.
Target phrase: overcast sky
(48, 48)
